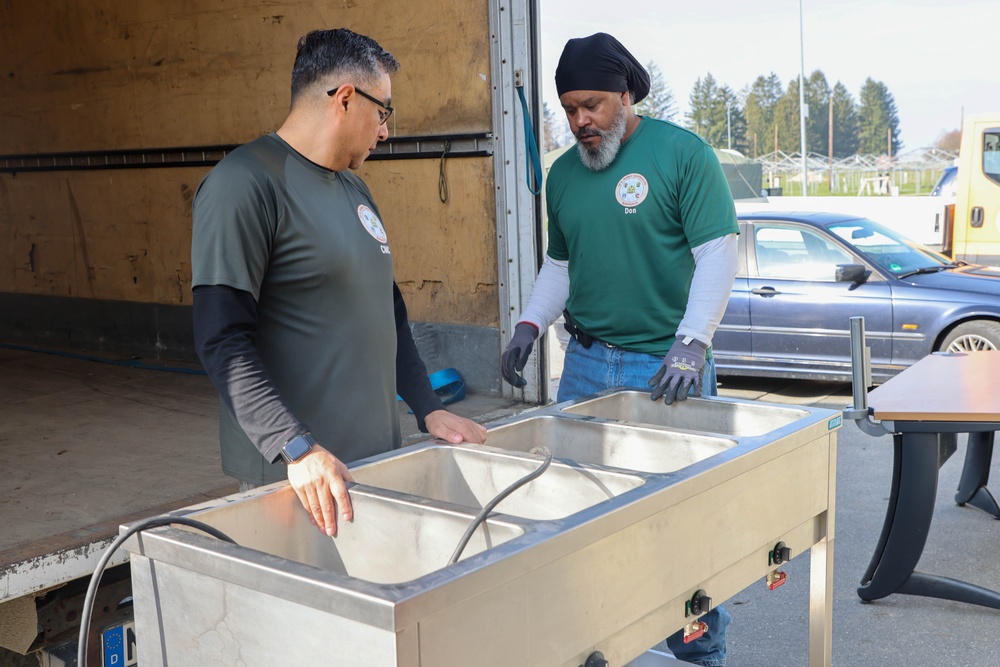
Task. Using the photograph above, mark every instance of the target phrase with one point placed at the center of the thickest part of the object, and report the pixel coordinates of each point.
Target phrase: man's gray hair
(326, 55)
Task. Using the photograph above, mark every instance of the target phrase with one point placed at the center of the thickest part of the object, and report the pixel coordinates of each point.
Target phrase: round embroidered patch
(372, 224)
(632, 190)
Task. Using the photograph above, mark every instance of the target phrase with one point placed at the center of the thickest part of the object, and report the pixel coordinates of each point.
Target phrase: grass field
(915, 182)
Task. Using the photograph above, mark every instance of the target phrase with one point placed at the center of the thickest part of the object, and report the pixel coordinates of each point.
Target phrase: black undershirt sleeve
(225, 326)
(412, 384)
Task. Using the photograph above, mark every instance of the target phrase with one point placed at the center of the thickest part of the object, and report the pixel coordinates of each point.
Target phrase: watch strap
(297, 447)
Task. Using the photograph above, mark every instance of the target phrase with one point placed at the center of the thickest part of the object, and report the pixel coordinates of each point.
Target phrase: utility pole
(803, 112)
(831, 144)
(729, 127)
(888, 133)
(775, 154)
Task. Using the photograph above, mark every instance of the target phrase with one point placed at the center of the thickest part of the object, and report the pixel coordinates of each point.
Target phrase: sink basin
(390, 541)
(472, 477)
(740, 419)
(616, 445)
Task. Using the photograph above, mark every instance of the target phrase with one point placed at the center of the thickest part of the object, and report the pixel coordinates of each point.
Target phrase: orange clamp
(694, 630)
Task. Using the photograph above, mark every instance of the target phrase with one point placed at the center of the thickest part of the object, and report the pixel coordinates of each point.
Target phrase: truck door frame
(514, 64)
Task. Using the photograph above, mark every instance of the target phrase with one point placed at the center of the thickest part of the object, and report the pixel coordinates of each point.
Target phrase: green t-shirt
(627, 232)
(309, 244)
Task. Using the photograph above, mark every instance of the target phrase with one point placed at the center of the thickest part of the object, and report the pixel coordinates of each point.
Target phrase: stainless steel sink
(731, 417)
(471, 477)
(631, 447)
(390, 540)
(592, 555)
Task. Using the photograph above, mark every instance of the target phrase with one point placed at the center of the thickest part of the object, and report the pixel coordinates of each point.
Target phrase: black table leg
(907, 517)
(976, 474)
(945, 588)
(916, 458)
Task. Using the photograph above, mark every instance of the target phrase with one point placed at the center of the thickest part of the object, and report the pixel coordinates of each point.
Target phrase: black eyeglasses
(384, 109)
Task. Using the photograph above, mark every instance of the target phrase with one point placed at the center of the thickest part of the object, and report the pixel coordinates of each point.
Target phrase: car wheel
(972, 336)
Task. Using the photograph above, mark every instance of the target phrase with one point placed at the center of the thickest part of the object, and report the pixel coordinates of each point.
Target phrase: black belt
(579, 334)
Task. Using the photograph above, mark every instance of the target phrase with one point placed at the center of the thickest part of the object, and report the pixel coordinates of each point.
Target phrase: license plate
(118, 645)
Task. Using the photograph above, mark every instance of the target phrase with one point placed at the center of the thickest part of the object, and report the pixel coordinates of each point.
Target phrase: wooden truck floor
(88, 446)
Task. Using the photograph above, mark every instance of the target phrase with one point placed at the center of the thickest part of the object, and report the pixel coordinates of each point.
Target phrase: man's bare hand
(320, 481)
(454, 429)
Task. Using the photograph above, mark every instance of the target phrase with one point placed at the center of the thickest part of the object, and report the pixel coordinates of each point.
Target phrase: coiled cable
(483, 513)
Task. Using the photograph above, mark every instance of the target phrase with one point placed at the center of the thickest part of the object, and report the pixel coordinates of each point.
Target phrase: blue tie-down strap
(447, 384)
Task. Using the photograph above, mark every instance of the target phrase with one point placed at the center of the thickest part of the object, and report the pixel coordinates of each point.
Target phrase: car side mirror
(852, 273)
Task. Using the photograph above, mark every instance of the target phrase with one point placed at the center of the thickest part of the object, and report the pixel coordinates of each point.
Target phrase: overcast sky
(935, 56)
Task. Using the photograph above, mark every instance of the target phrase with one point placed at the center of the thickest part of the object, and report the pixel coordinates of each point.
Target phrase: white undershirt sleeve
(548, 296)
(714, 273)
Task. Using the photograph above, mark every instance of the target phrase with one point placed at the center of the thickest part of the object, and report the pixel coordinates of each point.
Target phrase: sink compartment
(739, 419)
(390, 541)
(472, 477)
(609, 444)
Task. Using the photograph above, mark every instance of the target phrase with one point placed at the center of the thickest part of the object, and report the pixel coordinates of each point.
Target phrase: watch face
(297, 447)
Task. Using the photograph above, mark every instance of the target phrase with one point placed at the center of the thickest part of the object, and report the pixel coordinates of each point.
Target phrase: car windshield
(887, 249)
(945, 187)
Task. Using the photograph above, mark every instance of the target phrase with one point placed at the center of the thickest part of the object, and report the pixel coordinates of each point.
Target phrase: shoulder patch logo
(372, 224)
(632, 190)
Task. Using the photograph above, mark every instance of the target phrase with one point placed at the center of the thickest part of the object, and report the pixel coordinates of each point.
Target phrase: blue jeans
(588, 371)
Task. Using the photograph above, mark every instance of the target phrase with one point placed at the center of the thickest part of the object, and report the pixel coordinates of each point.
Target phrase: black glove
(514, 358)
(682, 368)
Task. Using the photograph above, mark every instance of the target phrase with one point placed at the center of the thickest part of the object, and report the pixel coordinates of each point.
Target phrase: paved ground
(769, 629)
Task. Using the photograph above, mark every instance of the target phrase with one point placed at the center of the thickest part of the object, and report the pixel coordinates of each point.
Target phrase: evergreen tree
(877, 119)
(818, 121)
(659, 103)
(845, 122)
(786, 119)
(717, 115)
(761, 102)
(763, 118)
(735, 131)
(699, 118)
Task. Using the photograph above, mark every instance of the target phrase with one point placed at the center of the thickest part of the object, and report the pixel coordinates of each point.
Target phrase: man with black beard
(641, 255)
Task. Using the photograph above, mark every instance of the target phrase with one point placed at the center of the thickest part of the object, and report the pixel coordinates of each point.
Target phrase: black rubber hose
(128, 363)
(483, 513)
(95, 579)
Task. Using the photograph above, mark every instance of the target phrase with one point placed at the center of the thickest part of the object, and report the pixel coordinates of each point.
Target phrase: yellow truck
(972, 229)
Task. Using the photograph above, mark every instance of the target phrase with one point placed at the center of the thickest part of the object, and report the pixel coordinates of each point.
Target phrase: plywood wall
(444, 253)
(119, 234)
(112, 74)
(96, 75)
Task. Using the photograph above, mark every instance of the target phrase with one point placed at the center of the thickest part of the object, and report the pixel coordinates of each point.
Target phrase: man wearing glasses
(297, 318)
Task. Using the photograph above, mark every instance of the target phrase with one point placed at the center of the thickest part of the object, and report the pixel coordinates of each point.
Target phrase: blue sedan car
(804, 275)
